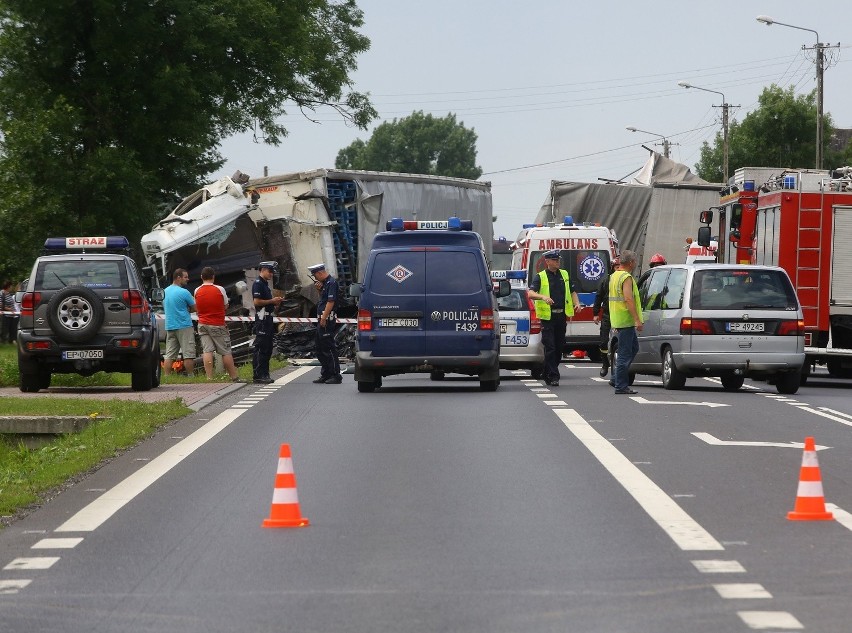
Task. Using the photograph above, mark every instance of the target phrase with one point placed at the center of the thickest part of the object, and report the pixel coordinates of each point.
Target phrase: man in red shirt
(210, 302)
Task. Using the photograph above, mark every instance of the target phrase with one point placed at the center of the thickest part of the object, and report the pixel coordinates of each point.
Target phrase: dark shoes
(319, 380)
(334, 380)
(263, 381)
(552, 383)
(628, 391)
(604, 367)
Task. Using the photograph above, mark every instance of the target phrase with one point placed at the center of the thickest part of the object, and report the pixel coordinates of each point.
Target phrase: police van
(586, 253)
(427, 305)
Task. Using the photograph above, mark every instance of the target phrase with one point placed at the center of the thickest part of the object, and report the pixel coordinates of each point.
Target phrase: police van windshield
(585, 269)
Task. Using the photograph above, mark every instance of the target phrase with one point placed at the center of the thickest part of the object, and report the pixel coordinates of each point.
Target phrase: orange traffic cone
(810, 502)
(285, 500)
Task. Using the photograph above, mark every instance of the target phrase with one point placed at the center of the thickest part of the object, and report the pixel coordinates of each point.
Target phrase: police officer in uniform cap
(264, 326)
(326, 325)
(554, 303)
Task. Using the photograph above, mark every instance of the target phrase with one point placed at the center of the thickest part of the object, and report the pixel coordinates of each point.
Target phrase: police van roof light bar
(452, 224)
(112, 242)
(568, 220)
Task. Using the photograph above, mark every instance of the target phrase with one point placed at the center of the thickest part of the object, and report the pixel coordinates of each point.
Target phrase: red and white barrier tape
(248, 319)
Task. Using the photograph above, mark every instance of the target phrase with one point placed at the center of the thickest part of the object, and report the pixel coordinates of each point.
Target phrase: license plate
(82, 354)
(745, 327)
(399, 322)
(516, 339)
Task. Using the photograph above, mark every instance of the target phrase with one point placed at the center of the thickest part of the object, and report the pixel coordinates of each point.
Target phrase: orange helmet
(657, 260)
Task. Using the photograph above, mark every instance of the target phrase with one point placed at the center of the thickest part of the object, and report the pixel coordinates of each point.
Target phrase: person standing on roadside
(211, 301)
(264, 324)
(9, 322)
(178, 305)
(326, 325)
(625, 316)
(554, 303)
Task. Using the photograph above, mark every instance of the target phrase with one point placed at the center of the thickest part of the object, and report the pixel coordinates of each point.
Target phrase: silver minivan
(730, 321)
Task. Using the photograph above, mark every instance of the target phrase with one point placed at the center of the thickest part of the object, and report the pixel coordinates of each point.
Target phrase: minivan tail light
(695, 326)
(365, 320)
(486, 320)
(791, 328)
(29, 302)
(535, 322)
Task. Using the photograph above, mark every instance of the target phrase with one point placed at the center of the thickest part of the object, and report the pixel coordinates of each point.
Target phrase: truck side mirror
(704, 235)
(705, 217)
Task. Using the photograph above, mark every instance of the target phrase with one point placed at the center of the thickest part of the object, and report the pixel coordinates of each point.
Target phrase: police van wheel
(436, 375)
(366, 387)
(489, 385)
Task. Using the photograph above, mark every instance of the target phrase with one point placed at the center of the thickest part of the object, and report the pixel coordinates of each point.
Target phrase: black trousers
(261, 355)
(553, 340)
(603, 346)
(327, 350)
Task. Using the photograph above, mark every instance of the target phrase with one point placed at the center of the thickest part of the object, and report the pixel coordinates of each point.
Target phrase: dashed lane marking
(719, 566)
(13, 586)
(742, 591)
(770, 620)
(35, 562)
(57, 543)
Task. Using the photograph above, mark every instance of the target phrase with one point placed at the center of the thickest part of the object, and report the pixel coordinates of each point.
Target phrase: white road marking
(840, 515)
(742, 591)
(547, 394)
(770, 620)
(835, 412)
(827, 415)
(556, 403)
(102, 508)
(12, 586)
(57, 543)
(681, 528)
(706, 437)
(35, 562)
(641, 400)
(719, 566)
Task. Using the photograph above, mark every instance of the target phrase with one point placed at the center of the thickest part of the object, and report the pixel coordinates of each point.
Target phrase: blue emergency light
(529, 226)
(568, 220)
(112, 242)
(452, 224)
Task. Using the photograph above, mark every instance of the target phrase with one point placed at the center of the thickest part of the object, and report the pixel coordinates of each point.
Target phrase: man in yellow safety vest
(625, 316)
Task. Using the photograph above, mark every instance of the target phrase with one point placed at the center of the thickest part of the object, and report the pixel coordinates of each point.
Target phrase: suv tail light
(791, 328)
(365, 320)
(135, 300)
(696, 326)
(535, 322)
(29, 302)
(486, 319)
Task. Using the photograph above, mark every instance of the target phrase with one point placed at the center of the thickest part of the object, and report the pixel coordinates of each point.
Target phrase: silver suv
(730, 321)
(85, 310)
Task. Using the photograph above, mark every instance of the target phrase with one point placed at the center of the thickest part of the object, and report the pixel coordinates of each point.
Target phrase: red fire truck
(800, 220)
(586, 253)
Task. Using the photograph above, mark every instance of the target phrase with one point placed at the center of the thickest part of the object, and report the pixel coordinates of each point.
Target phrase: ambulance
(586, 253)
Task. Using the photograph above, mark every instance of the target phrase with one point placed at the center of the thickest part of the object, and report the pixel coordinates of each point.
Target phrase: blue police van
(427, 305)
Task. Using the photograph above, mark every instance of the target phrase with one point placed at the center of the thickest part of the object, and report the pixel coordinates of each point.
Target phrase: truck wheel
(673, 378)
(788, 382)
(732, 382)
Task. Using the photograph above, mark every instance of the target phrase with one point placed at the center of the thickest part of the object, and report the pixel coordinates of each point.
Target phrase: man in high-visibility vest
(554, 303)
(625, 316)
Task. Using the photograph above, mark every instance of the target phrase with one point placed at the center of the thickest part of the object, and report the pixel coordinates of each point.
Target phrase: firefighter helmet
(657, 260)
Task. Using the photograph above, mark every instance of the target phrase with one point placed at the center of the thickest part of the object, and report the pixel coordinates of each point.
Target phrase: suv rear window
(737, 289)
(91, 274)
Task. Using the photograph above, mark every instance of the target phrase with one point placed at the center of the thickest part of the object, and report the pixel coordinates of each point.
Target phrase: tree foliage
(110, 110)
(780, 132)
(416, 144)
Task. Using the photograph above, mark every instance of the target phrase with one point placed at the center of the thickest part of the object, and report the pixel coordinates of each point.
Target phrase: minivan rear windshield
(736, 289)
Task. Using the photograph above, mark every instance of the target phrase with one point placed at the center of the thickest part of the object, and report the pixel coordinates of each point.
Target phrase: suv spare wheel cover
(75, 314)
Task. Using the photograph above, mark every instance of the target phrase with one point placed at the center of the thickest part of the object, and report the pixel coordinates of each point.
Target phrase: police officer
(326, 325)
(264, 326)
(554, 303)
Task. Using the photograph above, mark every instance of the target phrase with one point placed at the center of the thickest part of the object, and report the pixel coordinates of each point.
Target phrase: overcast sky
(549, 86)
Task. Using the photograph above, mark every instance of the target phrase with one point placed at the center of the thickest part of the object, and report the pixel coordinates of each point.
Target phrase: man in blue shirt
(180, 335)
(264, 325)
(326, 325)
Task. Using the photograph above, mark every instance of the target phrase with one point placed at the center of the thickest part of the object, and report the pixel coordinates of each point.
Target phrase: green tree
(416, 144)
(780, 132)
(110, 111)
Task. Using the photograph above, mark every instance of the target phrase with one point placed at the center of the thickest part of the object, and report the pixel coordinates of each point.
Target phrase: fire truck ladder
(808, 256)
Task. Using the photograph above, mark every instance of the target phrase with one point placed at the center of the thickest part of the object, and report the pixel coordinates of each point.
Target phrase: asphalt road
(437, 507)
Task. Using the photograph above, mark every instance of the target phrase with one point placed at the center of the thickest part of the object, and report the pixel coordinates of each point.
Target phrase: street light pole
(666, 143)
(820, 59)
(725, 107)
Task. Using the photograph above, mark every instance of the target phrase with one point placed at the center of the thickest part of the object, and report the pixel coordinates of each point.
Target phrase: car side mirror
(502, 288)
(157, 295)
(355, 290)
